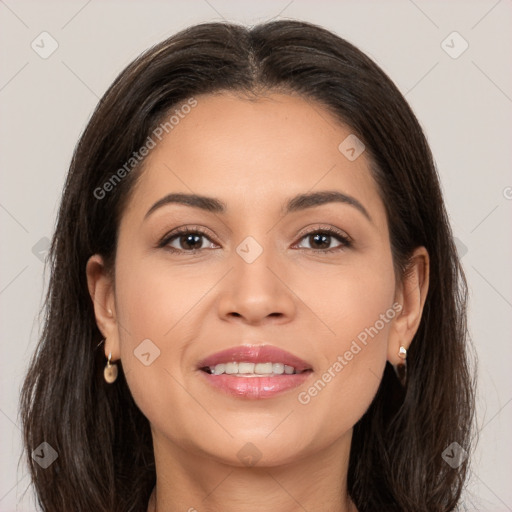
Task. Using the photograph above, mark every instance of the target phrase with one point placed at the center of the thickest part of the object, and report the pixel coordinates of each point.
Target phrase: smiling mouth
(249, 369)
(253, 381)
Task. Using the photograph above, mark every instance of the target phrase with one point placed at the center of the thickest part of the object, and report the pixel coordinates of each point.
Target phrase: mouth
(254, 371)
(248, 369)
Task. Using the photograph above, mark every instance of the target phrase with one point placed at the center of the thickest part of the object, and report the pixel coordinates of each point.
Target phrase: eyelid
(183, 230)
(346, 241)
(325, 228)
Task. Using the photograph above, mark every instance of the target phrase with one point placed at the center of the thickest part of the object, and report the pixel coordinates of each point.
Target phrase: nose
(256, 292)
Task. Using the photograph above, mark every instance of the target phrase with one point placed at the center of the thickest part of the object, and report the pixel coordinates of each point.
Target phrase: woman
(255, 300)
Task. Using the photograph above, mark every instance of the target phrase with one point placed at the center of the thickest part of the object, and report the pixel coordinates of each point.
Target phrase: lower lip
(255, 387)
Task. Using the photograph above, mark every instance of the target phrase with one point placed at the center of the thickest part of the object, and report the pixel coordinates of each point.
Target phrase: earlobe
(101, 290)
(401, 368)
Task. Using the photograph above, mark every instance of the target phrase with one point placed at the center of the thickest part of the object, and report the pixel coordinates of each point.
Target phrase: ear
(101, 290)
(411, 296)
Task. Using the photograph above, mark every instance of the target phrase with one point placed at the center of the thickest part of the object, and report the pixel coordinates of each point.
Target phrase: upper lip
(256, 354)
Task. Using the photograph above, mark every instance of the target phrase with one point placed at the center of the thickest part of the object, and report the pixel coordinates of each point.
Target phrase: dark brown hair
(106, 460)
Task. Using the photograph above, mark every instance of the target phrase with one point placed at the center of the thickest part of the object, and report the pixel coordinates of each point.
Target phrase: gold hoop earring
(401, 368)
(110, 371)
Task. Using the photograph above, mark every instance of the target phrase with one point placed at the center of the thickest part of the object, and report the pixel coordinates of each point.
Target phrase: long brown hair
(105, 458)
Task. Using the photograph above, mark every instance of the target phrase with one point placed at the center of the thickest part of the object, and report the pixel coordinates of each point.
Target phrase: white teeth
(218, 369)
(230, 368)
(252, 369)
(245, 367)
(262, 368)
(278, 368)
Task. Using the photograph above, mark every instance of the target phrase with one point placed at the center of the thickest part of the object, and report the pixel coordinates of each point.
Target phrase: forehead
(254, 153)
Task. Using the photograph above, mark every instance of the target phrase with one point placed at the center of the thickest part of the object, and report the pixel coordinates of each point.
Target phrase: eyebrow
(295, 204)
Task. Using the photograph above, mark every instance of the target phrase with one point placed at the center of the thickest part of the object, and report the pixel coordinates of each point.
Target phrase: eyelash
(346, 242)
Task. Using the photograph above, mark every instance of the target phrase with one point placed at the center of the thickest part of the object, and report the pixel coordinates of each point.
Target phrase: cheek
(154, 297)
(151, 305)
(351, 296)
(357, 308)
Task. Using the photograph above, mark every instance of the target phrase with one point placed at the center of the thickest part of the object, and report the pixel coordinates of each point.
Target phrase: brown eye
(189, 241)
(321, 240)
(185, 240)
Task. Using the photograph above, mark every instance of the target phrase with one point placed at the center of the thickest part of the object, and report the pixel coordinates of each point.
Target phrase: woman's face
(261, 271)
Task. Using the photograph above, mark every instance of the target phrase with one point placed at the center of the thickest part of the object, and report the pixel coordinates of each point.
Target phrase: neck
(202, 484)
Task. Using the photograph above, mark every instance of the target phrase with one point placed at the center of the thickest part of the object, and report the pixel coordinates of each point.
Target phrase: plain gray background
(462, 101)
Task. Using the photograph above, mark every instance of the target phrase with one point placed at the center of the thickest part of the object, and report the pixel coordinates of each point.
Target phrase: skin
(254, 154)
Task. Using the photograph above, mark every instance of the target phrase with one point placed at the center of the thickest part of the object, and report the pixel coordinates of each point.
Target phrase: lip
(255, 387)
(256, 354)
